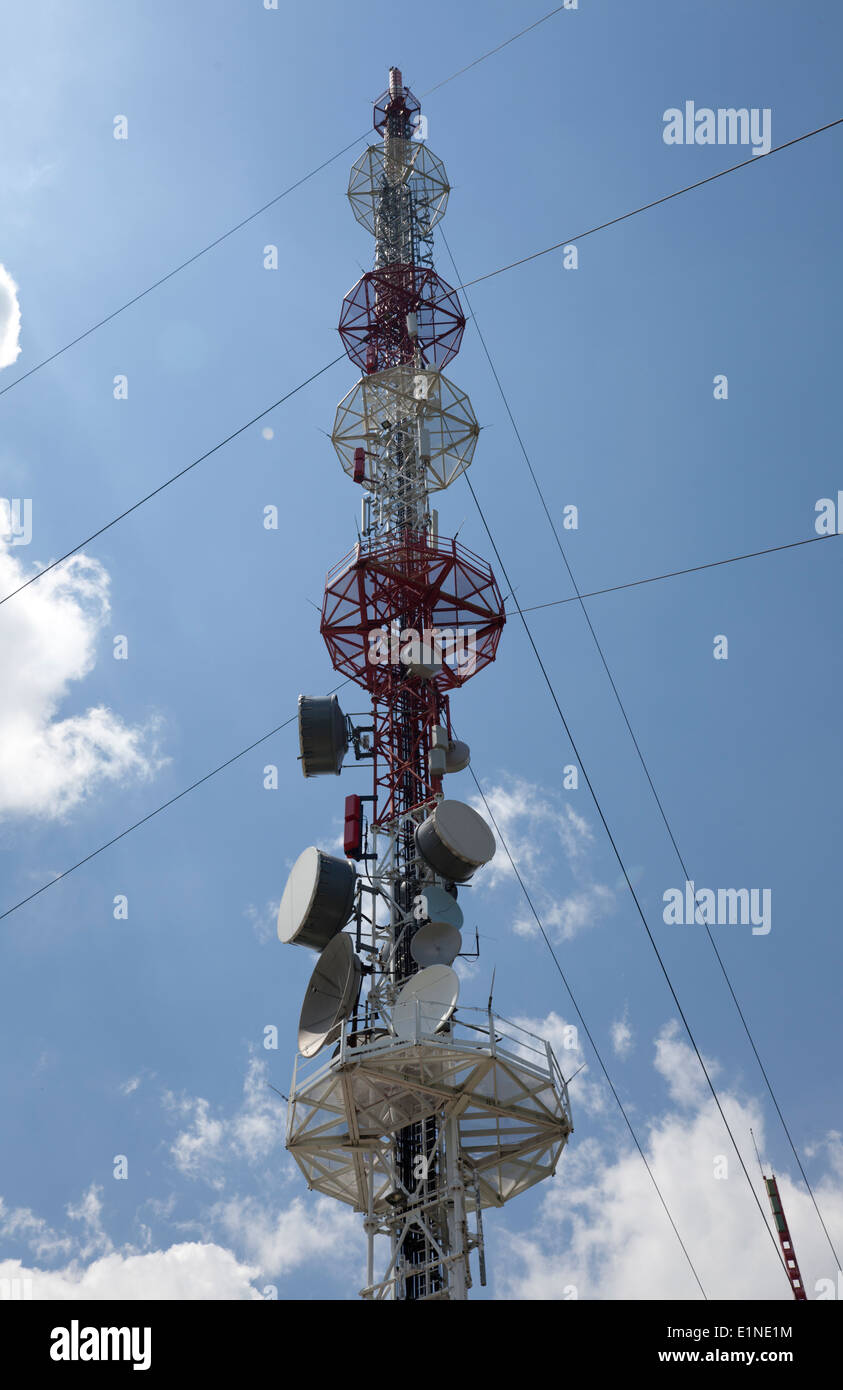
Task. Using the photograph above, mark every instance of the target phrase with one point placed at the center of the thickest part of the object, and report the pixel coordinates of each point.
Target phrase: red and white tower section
(418, 1111)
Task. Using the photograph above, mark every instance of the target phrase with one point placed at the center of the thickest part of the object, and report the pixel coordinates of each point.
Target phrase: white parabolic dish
(441, 907)
(331, 995)
(429, 997)
(436, 943)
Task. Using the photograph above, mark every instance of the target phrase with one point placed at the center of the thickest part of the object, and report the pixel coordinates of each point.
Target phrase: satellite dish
(317, 900)
(331, 995)
(440, 907)
(436, 943)
(455, 840)
(426, 1002)
(323, 735)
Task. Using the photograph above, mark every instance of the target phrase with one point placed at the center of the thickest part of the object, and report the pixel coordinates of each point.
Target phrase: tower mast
(782, 1230)
(785, 1241)
(419, 1119)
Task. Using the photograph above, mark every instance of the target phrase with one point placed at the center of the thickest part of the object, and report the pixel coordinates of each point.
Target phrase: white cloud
(257, 1128)
(95, 1269)
(677, 1063)
(320, 1229)
(92, 1238)
(264, 921)
(535, 824)
(586, 1096)
(209, 1142)
(562, 1036)
(86, 1238)
(275, 1239)
(48, 638)
(266, 1240)
(525, 926)
(9, 319)
(194, 1149)
(162, 1208)
(574, 831)
(519, 811)
(578, 910)
(468, 970)
(832, 1146)
(603, 1232)
(622, 1040)
(22, 1224)
(191, 1270)
(272, 1243)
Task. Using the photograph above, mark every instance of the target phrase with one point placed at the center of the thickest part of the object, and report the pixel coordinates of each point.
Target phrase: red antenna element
(400, 314)
(447, 599)
(353, 831)
(397, 110)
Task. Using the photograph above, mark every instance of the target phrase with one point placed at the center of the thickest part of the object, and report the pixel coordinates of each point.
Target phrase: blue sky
(143, 1037)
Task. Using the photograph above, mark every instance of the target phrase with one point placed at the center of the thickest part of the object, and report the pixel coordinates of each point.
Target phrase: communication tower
(417, 1114)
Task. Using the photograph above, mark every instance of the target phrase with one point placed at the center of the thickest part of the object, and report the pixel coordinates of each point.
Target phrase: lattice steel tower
(422, 1116)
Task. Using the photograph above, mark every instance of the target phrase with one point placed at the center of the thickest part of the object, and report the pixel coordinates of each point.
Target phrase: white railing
(478, 1030)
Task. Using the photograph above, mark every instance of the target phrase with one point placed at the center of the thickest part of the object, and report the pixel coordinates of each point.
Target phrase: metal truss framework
(401, 313)
(420, 417)
(499, 1090)
(435, 588)
(400, 755)
(420, 1133)
(407, 178)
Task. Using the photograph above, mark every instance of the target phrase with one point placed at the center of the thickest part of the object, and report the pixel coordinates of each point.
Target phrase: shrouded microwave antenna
(331, 995)
(317, 900)
(458, 756)
(323, 735)
(455, 840)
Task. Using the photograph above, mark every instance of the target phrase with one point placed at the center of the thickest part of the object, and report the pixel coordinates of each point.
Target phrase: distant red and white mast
(783, 1232)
